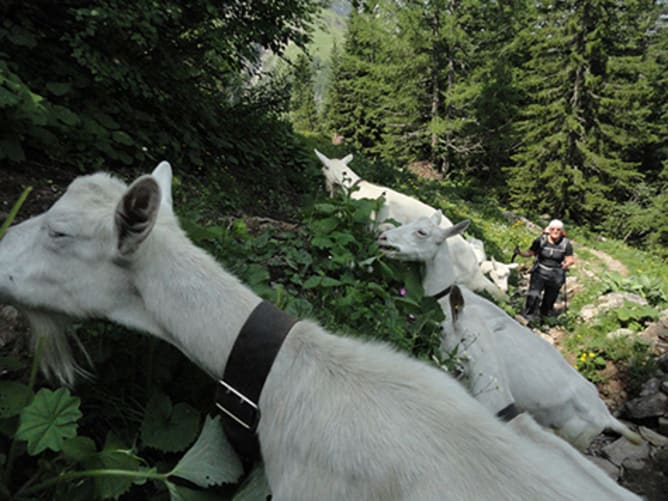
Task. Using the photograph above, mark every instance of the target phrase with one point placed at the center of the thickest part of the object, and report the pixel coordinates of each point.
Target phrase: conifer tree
(354, 104)
(580, 79)
(303, 113)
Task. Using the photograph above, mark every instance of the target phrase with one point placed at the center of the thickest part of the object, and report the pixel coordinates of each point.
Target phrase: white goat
(341, 418)
(497, 272)
(478, 247)
(475, 342)
(403, 209)
(536, 374)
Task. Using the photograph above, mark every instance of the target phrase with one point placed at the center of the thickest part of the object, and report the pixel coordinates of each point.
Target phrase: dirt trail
(610, 262)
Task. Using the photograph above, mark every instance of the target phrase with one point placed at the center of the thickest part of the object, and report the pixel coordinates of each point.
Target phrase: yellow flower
(592, 355)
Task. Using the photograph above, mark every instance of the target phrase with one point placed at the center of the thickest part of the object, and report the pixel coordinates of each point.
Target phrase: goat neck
(438, 272)
(202, 308)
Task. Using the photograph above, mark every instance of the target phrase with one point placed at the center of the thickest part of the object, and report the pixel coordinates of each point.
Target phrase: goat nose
(382, 237)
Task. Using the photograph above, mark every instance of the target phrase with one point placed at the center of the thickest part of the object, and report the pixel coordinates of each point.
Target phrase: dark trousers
(545, 281)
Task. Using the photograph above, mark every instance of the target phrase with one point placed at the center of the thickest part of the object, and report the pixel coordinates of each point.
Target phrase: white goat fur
(474, 342)
(341, 418)
(537, 376)
(404, 209)
(497, 272)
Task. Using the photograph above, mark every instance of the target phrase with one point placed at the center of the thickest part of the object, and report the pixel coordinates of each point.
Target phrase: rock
(635, 463)
(610, 469)
(663, 426)
(9, 319)
(654, 405)
(621, 451)
(610, 301)
(650, 387)
(654, 438)
(662, 362)
(621, 332)
(664, 387)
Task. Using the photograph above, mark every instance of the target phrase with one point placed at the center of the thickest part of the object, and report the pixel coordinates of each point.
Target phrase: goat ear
(493, 263)
(456, 229)
(436, 218)
(136, 214)
(512, 266)
(347, 159)
(163, 175)
(456, 302)
(323, 158)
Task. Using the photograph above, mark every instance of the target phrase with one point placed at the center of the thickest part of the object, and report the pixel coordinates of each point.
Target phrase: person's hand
(516, 250)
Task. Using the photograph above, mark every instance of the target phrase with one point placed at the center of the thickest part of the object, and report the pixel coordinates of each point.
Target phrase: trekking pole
(565, 292)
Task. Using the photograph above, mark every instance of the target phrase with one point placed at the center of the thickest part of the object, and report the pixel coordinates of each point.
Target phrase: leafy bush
(644, 285)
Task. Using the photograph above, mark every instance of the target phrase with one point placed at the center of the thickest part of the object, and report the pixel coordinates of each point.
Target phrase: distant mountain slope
(329, 30)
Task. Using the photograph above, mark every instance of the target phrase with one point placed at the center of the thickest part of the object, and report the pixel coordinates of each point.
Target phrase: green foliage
(303, 113)
(644, 285)
(589, 363)
(556, 109)
(167, 427)
(49, 419)
(211, 460)
(98, 85)
(331, 268)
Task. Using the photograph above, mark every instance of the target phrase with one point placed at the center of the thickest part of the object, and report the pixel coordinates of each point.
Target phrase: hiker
(554, 255)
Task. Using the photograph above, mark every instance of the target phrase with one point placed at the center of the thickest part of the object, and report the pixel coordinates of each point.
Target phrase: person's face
(555, 232)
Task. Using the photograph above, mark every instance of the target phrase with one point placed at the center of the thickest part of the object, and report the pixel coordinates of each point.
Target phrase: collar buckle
(237, 406)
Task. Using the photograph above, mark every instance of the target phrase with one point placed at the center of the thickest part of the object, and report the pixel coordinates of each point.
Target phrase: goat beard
(57, 362)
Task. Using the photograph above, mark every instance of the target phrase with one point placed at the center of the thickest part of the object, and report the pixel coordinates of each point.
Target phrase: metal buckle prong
(243, 399)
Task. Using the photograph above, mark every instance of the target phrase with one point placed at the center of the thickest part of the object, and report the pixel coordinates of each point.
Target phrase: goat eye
(422, 233)
(57, 234)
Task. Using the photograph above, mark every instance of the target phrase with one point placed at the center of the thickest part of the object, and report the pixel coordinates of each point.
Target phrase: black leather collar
(443, 293)
(508, 413)
(246, 370)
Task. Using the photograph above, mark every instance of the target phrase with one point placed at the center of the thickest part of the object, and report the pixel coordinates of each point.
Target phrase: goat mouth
(389, 249)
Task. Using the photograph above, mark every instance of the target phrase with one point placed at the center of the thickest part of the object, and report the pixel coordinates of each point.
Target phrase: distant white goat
(341, 418)
(497, 272)
(536, 374)
(403, 209)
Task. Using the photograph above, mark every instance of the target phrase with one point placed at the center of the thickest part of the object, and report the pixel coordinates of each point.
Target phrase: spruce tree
(575, 132)
(303, 113)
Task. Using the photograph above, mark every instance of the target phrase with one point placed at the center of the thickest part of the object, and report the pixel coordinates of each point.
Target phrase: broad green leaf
(329, 282)
(322, 242)
(79, 449)
(114, 456)
(49, 419)
(58, 88)
(324, 226)
(180, 493)
(211, 460)
(122, 137)
(13, 397)
(325, 208)
(65, 115)
(312, 281)
(167, 427)
(255, 488)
